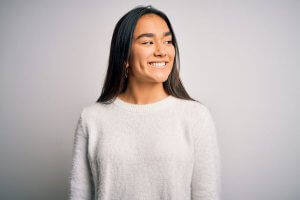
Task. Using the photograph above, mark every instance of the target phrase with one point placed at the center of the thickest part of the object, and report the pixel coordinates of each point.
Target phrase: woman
(145, 138)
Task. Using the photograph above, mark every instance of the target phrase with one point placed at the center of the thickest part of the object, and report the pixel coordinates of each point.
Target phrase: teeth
(158, 64)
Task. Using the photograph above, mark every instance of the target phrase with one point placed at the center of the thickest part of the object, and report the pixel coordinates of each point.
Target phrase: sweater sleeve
(81, 184)
(206, 183)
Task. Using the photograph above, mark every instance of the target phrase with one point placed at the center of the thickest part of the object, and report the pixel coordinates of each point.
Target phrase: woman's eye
(148, 42)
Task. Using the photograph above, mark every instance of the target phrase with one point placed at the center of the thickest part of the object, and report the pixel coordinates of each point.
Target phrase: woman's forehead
(151, 23)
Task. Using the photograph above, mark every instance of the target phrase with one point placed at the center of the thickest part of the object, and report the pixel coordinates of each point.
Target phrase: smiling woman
(144, 59)
(152, 52)
(145, 137)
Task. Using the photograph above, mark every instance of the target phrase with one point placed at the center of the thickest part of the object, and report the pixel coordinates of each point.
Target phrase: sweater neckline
(149, 107)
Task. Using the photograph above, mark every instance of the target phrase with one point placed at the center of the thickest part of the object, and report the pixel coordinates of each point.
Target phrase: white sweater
(166, 150)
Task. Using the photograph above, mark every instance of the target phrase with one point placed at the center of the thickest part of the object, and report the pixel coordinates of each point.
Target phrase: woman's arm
(81, 184)
(206, 183)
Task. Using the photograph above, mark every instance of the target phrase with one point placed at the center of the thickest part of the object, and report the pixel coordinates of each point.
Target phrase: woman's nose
(160, 50)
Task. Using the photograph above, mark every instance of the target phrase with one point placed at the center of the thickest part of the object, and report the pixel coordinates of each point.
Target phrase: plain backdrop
(240, 58)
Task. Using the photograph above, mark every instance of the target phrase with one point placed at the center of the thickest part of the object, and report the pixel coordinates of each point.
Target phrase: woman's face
(152, 51)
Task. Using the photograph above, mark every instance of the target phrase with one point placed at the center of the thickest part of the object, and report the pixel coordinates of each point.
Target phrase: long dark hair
(115, 82)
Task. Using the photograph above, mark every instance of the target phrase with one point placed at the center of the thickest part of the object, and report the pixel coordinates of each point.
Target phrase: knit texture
(166, 150)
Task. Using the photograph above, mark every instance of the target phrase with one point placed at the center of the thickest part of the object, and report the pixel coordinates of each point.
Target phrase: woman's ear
(126, 64)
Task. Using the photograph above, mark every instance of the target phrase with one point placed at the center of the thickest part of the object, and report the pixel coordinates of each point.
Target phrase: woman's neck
(143, 95)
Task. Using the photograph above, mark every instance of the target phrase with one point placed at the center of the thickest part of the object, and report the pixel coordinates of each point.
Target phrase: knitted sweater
(165, 150)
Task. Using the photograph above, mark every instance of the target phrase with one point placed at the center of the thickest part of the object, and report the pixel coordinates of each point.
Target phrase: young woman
(145, 138)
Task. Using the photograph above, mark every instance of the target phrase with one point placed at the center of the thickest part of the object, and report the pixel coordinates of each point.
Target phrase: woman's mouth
(158, 64)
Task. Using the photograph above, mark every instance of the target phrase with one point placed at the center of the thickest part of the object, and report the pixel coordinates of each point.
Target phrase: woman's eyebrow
(151, 35)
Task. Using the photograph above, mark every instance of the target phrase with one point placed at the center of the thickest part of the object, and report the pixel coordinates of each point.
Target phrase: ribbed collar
(144, 108)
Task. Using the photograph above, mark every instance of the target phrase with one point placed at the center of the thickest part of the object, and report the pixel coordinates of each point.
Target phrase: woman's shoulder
(94, 110)
(191, 111)
(196, 112)
(193, 107)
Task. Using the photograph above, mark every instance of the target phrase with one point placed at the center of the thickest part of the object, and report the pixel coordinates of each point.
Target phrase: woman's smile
(158, 65)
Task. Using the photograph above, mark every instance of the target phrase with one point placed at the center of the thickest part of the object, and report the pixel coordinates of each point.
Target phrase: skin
(146, 82)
